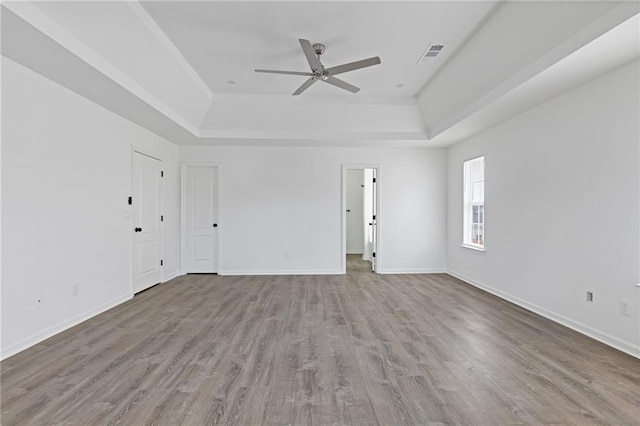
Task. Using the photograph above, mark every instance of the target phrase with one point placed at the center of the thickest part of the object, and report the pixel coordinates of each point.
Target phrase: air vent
(431, 52)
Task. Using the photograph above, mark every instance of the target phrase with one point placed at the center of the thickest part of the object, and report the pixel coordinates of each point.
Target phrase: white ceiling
(613, 49)
(226, 41)
(167, 65)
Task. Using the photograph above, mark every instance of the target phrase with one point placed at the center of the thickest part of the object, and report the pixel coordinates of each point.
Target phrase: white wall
(66, 177)
(344, 119)
(288, 200)
(355, 216)
(562, 208)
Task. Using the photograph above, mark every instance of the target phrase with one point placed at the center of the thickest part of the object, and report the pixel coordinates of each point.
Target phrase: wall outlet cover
(625, 308)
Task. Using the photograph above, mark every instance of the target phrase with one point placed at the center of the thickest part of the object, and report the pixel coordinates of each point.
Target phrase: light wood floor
(355, 349)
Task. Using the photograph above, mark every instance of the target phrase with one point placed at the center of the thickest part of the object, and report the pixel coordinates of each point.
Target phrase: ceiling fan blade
(310, 53)
(305, 86)
(308, 74)
(341, 84)
(353, 65)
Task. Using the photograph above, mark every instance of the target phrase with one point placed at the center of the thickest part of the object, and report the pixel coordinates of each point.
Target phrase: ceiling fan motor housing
(318, 48)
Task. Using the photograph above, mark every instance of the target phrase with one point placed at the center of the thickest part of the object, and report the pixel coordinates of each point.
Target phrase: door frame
(183, 211)
(343, 212)
(132, 240)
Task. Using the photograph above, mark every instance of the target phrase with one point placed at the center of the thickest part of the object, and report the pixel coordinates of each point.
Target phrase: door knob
(215, 225)
(138, 229)
(348, 210)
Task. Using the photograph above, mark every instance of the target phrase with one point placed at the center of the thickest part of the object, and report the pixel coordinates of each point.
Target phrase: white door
(367, 201)
(200, 210)
(374, 222)
(145, 194)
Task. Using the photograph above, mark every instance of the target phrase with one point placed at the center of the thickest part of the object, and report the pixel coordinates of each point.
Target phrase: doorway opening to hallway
(360, 206)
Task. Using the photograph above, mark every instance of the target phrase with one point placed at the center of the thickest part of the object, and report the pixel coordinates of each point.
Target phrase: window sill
(474, 248)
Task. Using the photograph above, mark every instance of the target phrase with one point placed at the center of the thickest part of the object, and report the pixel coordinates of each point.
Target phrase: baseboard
(329, 272)
(170, 276)
(413, 271)
(605, 338)
(355, 252)
(60, 327)
(282, 272)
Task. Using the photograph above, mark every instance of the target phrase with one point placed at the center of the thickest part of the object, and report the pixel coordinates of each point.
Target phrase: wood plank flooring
(359, 349)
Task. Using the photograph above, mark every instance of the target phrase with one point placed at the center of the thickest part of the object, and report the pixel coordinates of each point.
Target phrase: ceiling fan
(319, 72)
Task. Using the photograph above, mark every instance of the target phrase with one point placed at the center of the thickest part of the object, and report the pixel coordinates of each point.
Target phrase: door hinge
(130, 200)
(161, 218)
(374, 217)
(162, 173)
(374, 254)
(374, 180)
(161, 262)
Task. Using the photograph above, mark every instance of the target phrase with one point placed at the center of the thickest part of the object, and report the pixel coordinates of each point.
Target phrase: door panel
(368, 214)
(149, 196)
(374, 223)
(200, 249)
(202, 194)
(148, 257)
(146, 221)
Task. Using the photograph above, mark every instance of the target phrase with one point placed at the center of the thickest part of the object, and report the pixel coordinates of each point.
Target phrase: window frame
(469, 204)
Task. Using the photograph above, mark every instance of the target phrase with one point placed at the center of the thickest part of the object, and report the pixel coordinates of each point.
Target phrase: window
(473, 217)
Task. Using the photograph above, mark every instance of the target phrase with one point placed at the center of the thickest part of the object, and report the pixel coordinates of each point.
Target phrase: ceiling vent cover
(431, 52)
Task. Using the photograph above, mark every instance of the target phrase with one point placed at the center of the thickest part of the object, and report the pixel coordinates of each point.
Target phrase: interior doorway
(360, 231)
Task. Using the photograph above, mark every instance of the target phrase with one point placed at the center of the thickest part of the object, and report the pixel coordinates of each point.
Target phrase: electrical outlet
(589, 296)
(39, 302)
(625, 308)
(76, 289)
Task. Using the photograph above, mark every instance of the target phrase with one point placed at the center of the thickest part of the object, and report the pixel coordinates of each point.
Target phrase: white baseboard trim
(614, 342)
(61, 326)
(355, 252)
(413, 271)
(282, 272)
(170, 276)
